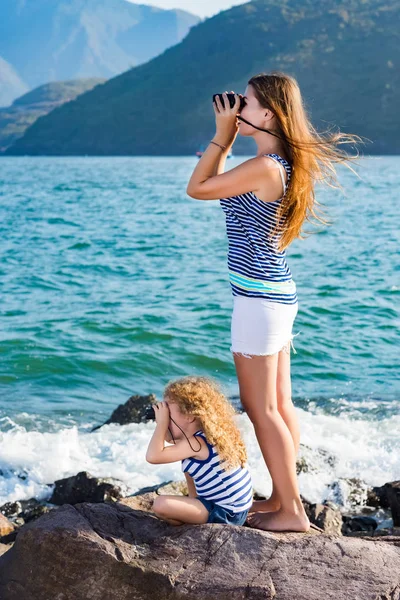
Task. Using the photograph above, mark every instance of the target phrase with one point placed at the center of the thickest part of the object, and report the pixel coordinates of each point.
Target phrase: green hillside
(26, 109)
(344, 55)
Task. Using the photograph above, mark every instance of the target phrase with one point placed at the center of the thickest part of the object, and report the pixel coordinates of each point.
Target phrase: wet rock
(91, 549)
(314, 460)
(23, 511)
(351, 492)
(327, 518)
(358, 523)
(83, 487)
(6, 527)
(377, 496)
(393, 496)
(391, 534)
(302, 466)
(133, 411)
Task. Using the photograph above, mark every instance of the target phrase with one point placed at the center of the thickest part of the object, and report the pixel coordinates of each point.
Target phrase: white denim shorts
(261, 327)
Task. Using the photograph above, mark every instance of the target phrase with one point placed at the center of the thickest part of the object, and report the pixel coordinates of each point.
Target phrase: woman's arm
(211, 163)
(249, 176)
(190, 485)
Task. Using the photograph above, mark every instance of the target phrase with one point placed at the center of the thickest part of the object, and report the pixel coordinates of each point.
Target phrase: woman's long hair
(312, 155)
(203, 398)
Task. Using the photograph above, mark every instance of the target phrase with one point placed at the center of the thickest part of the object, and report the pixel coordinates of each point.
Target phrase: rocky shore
(98, 542)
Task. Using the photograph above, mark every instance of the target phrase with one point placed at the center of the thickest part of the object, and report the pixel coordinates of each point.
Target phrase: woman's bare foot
(279, 520)
(265, 505)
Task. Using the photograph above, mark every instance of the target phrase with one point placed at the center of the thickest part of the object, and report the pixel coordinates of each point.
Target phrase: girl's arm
(190, 485)
(157, 453)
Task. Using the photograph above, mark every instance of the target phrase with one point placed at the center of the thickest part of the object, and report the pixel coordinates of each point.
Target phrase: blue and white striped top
(231, 488)
(256, 267)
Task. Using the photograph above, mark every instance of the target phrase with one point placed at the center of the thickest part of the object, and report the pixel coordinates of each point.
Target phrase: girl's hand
(161, 411)
(226, 119)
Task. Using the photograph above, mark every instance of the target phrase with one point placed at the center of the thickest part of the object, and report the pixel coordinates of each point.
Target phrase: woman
(266, 200)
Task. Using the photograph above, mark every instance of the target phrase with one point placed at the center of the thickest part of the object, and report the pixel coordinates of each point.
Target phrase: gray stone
(112, 552)
(133, 411)
(83, 487)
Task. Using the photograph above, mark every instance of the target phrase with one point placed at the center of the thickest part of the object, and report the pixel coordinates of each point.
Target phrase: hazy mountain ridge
(51, 40)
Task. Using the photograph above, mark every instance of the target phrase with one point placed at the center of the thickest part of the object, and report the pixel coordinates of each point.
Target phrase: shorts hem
(285, 347)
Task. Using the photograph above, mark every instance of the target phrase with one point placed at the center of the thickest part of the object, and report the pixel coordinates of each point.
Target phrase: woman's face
(254, 113)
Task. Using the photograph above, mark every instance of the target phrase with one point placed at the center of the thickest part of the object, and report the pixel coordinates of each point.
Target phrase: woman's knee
(284, 402)
(262, 417)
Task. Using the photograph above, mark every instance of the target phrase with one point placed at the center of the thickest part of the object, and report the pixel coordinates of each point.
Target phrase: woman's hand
(161, 411)
(226, 119)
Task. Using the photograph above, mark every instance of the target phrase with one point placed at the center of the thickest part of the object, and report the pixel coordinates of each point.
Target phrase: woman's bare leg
(257, 377)
(288, 413)
(178, 510)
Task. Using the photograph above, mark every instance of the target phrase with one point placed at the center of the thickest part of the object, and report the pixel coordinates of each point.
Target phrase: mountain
(52, 40)
(15, 119)
(343, 53)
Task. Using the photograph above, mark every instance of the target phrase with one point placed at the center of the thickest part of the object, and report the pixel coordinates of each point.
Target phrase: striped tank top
(256, 267)
(231, 489)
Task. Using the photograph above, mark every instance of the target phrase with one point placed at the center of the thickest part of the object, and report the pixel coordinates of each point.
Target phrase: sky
(202, 8)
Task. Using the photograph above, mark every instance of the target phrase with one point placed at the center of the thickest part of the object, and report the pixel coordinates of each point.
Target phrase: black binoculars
(149, 414)
(231, 98)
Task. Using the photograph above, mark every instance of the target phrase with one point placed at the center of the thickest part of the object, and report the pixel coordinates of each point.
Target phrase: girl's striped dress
(231, 489)
(256, 267)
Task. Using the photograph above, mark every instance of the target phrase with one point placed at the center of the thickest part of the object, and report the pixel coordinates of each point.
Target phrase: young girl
(198, 420)
(266, 200)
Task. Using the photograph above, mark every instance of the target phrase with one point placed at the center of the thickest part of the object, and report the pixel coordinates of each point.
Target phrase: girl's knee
(160, 505)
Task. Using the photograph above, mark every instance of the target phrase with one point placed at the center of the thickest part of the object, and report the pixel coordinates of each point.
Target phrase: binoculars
(149, 414)
(231, 98)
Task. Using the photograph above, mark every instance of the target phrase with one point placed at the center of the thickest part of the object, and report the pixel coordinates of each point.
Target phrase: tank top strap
(201, 433)
(282, 169)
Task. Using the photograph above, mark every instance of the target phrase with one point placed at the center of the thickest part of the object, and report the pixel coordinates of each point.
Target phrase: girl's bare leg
(178, 510)
(288, 413)
(257, 378)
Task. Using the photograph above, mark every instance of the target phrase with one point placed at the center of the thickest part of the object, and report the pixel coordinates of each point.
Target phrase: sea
(114, 282)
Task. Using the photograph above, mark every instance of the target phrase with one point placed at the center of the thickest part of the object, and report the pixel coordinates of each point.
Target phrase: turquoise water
(114, 281)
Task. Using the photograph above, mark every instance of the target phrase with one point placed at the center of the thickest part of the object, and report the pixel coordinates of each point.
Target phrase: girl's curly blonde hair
(203, 398)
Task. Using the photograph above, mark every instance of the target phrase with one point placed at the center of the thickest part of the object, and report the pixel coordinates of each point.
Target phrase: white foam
(358, 447)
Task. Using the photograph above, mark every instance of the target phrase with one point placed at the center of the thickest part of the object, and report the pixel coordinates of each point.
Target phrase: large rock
(133, 411)
(387, 496)
(111, 552)
(83, 487)
(393, 496)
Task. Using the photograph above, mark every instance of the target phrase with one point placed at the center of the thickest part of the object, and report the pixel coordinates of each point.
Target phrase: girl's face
(254, 113)
(185, 422)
